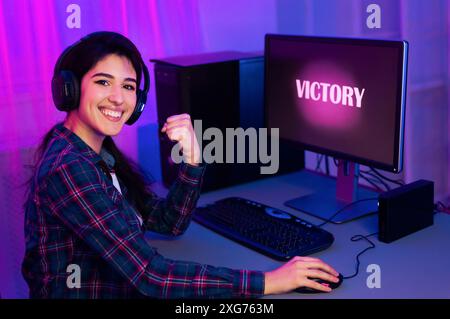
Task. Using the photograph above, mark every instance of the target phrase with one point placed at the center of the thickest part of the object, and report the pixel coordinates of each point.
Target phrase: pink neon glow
(7, 95)
(327, 114)
(123, 7)
(155, 29)
(193, 11)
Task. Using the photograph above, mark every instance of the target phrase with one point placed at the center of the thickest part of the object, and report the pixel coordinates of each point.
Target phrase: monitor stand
(324, 205)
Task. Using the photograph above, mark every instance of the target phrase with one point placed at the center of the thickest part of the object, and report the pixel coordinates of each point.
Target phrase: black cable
(359, 237)
(377, 188)
(378, 179)
(356, 237)
(344, 208)
(335, 162)
(441, 208)
(372, 245)
(327, 166)
(399, 182)
(373, 234)
(440, 205)
(380, 186)
(365, 178)
(319, 158)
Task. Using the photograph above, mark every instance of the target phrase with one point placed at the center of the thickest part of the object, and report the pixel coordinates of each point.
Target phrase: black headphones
(66, 89)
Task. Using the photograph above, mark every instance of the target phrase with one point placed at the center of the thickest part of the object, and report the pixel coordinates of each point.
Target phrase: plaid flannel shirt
(75, 216)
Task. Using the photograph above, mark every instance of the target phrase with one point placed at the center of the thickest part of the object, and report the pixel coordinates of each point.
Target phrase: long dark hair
(80, 59)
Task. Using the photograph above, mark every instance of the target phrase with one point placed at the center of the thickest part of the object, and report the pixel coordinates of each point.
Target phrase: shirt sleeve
(172, 215)
(75, 194)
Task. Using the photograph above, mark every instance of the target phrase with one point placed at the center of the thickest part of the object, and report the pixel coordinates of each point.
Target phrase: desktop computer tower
(224, 90)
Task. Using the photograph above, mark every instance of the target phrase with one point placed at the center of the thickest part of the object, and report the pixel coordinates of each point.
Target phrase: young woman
(89, 205)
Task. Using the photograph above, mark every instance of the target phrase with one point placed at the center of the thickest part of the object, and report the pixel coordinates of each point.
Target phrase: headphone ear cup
(65, 91)
(141, 99)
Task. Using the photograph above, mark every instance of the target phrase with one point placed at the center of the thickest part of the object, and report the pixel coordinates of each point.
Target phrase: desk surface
(416, 266)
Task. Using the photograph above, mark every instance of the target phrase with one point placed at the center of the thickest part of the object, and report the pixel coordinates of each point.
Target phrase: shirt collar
(70, 137)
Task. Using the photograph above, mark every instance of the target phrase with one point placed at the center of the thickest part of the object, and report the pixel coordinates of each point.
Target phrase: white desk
(416, 266)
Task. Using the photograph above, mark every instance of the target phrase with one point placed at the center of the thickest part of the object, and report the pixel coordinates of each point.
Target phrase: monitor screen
(340, 97)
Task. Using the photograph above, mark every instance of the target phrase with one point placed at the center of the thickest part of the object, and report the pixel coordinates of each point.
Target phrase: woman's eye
(129, 87)
(102, 82)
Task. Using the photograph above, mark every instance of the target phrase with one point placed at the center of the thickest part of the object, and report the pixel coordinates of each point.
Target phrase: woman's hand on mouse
(179, 129)
(296, 273)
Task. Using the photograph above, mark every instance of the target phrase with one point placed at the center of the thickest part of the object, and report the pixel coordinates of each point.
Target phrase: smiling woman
(108, 100)
(89, 205)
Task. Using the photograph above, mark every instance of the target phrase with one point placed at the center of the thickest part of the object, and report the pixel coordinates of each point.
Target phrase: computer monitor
(343, 98)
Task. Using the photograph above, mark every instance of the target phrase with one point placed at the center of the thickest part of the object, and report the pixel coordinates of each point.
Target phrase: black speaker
(405, 210)
(224, 90)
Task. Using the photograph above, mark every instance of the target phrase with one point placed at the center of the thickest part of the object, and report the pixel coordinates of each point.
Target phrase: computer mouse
(332, 285)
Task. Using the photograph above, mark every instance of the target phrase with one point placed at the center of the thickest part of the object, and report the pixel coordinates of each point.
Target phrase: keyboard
(265, 229)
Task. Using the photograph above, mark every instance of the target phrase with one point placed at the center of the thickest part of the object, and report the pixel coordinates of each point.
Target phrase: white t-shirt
(110, 161)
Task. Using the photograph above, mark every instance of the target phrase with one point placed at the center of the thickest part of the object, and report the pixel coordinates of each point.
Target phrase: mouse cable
(355, 237)
(344, 208)
(372, 245)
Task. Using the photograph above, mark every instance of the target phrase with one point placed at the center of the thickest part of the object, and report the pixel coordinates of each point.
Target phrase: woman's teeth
(110, 113)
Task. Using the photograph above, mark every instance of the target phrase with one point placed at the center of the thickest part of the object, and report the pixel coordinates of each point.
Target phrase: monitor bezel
(396, 164)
